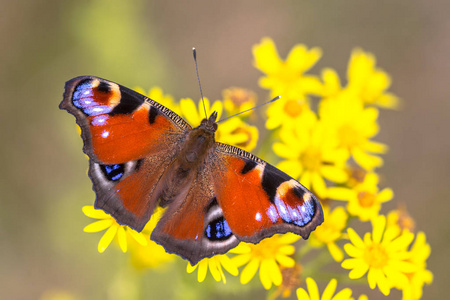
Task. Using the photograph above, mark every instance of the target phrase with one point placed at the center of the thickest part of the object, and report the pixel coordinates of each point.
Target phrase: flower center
(349, 136)
(293, 108)
(376, 256)
(366, 199)
(312, 159)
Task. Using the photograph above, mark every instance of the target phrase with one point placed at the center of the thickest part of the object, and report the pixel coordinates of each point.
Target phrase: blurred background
(43, 44)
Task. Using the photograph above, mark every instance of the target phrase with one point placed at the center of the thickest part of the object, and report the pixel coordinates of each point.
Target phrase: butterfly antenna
(270, 101)
(194, 52)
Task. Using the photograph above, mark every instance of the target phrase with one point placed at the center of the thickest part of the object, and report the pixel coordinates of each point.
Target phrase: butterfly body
(143, 155)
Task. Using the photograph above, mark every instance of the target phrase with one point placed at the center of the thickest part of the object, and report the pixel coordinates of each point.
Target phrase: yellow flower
(330, 231)
(354, 126)
(401, 218)
(286, 112)
(215, 264)
(157, 94)
(420, 251)
(233, 131)
(268, 255)
(236, 100)
(151, 255)
(313, 291)
(382, 254)
(194, 114)
(364, 199)
(311, 155)
(114, 229)
(331, 83)
(287, 78)
(236, 132)
(368, 82)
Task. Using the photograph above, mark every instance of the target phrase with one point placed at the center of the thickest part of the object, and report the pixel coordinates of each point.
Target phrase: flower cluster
(321, 133)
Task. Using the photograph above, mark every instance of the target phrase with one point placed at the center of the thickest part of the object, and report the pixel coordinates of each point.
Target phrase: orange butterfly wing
(124, 135)
(258, 200)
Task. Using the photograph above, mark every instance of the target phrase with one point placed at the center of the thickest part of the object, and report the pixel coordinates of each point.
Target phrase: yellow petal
(379, 225)
(107, 238)
(345, 294)
(265, 274)
(318, 185)
(312, 288)
(334, 174)
(365, 160)
(213, 269)
(249, 271)
(353, 251)
(385, 195)
(138, 236)
(329, 290)
(94, 213)
(285, 261)
(335, 252)
(122, 239)
(229, 265)
(98, 225)
(355, 239)
(266, 57)
(359, 271)
(301, 60)
(202, 270)
(191, 268)
(189, 111)
(302, 294)
(340, 193)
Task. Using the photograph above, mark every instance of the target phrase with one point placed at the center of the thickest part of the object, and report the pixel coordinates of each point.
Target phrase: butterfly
(143, 155)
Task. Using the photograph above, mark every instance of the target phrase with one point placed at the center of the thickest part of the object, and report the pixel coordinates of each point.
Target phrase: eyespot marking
(113, 172)
(218, 230)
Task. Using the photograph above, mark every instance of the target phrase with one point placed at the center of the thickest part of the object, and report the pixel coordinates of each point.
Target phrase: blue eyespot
(218, 230)
(113, 172)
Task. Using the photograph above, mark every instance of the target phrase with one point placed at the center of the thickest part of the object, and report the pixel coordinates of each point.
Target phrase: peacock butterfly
(142, 154)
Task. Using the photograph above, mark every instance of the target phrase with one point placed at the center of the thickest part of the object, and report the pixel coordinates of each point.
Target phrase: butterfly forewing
(258, 200)
(125, 135)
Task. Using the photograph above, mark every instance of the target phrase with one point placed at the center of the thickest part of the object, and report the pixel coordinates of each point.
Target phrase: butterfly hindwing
(258, 200)
(193, 225)
(125, 135)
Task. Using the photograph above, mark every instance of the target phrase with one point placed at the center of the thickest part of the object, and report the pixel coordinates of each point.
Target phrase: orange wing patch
(245, 204)
(121, 138)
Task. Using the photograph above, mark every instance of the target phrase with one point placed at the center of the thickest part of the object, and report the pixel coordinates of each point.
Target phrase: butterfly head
(210, 123)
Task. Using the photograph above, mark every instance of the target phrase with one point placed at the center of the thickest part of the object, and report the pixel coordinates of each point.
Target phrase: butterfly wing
(188, 224)
(258, 200)
(130, 140)
(235, 197)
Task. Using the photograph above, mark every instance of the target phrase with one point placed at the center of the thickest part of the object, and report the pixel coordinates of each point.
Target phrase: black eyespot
(218, 230)
(113, 172)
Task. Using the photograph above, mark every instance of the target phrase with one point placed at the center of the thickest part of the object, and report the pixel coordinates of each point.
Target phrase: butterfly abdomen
(188, 162)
